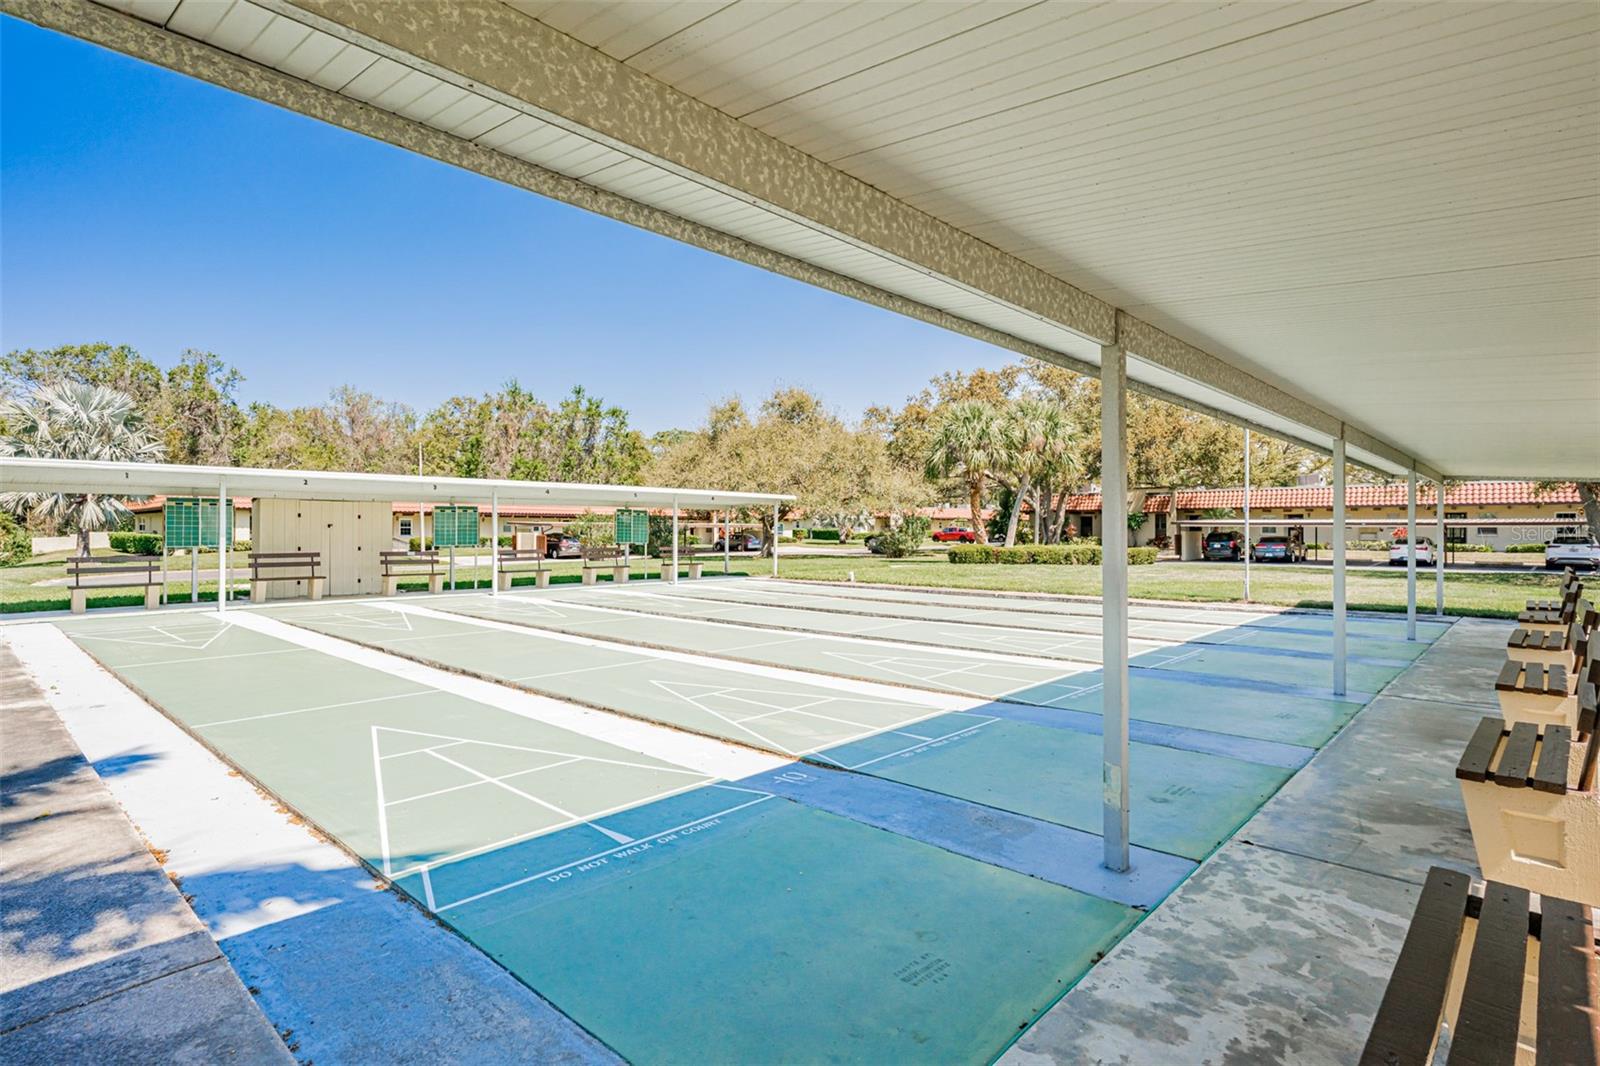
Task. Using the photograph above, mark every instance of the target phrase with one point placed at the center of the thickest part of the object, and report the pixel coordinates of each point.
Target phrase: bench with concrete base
(266, 567)
(1569, 582)
(1507, 980)
(695, 564)
(405, 564)
(125, 571)
(1532, 803)
(1537, 693)
(1567, 648)
(1554, 619)
(599, 557)
(515, 561)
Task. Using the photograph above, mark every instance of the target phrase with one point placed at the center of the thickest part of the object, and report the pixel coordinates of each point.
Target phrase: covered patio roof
(1371, 221)
(148, 479)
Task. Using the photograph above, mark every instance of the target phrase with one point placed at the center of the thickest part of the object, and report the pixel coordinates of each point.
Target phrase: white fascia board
(150, 479)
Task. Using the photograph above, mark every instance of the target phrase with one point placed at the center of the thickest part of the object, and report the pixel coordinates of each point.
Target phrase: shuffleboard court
(782, 715)
(1223, 613)
(1283, 671)
(1221, 628)
(1183, 802)
(607, 879)
(750, 710)
(1284, 718)
(1384, 627)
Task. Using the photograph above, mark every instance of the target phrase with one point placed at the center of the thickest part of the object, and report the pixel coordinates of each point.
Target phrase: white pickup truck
(1572, 549)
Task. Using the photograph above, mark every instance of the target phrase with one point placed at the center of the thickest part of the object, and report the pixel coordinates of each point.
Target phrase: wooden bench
(1569, 581)
(600, 556)
(398, 564)
(1541, 694)
(695, 564)
(1557, 619)
(1467, 967)
(1568, 648)
(122, 570)
(285, 566)
(518, 558)
(1532, 803)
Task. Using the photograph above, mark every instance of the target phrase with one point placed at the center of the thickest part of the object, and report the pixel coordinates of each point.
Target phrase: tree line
(1022, 437)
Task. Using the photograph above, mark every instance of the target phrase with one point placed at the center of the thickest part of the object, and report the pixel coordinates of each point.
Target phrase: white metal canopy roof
(1377, 220)
(150, 479)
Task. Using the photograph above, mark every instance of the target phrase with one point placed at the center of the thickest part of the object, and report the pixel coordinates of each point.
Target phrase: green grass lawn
(1488, 595)
(21, 589)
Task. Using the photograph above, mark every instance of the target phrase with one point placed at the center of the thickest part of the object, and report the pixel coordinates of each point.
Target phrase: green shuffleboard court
(678, 917)
(1045, 768)
(1274, 716)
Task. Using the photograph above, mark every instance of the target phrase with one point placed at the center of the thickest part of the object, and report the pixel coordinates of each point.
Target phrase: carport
(1370, 229)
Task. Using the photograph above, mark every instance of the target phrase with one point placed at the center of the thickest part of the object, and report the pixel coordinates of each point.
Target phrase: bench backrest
(284, 560)
(602, 551)
(83, 566)
(521, 555)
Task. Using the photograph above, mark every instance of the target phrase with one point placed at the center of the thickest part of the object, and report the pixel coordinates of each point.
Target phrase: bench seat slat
(1408, 1019)
(1509, 672)
(1550, 775)
(1568, 1025)
(1475, 761)
(1516, 760)
(1491, 1000)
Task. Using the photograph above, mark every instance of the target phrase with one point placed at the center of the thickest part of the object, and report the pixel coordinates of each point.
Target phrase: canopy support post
(1248, 551)
(1438, 549)
(494, 544)
(222, 548)
(1411, 554)
(674, 540)
(1114, 599)
(1338, 564)
(774, 540)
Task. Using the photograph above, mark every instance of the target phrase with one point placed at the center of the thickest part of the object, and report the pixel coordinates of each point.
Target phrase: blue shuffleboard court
(912, 871)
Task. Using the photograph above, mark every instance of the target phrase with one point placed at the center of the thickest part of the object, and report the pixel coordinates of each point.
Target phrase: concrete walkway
(101, 960)
(1280, 947)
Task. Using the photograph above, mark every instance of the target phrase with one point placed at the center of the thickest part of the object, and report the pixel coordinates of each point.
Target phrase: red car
(956, 533)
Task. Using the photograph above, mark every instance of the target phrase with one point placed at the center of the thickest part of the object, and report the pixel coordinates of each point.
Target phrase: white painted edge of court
(711, 757)
(210, 820)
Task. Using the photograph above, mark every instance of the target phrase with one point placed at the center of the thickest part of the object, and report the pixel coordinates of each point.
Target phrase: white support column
(674, 541)
(1338, 565)
(494, 544)
(1114, 603)
(774, 540)
(1438, 549)
(1247, 541)
(1411, 554)
(727, 539)
(222, 547)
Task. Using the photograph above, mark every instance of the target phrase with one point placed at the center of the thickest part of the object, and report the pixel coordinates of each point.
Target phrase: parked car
(741, 542)
(1220, 545)
(957, 534)
(561, 546)
(1572, 549)
(1279, 548)
(1397, 554)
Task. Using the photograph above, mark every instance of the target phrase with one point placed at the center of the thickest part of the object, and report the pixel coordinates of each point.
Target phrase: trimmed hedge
(135, 543)
(1525, 548)
(823, 534)
(1074, 554)
(1458, 547)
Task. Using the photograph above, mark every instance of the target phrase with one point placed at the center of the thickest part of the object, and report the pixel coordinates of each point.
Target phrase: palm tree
(71, 420)
(1023, 434)
(968, 442)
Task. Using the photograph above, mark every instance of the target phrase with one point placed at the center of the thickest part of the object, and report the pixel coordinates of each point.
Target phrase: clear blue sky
(146, 208)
